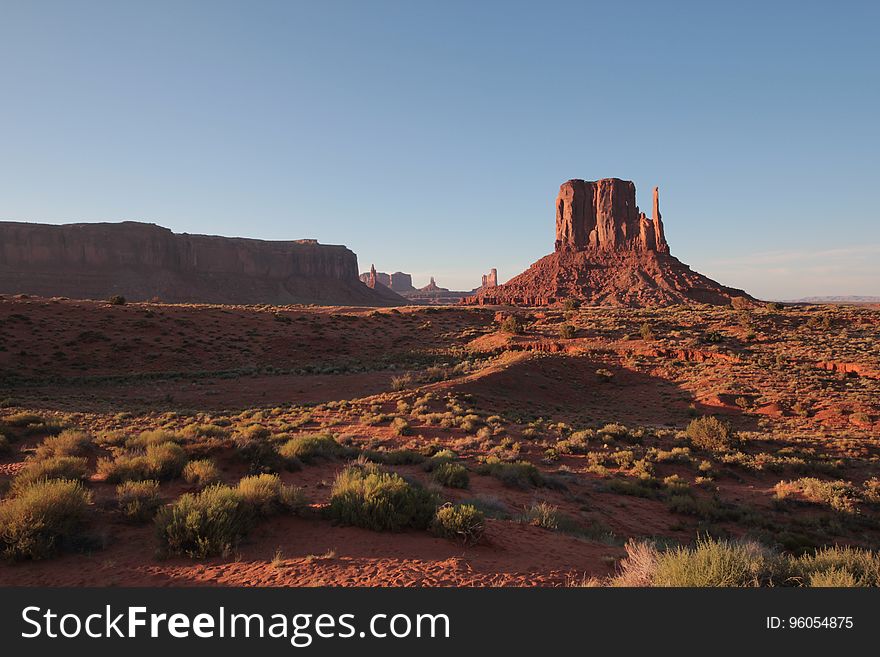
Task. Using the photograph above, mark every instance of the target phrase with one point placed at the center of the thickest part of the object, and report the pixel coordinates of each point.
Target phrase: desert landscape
(607, 418)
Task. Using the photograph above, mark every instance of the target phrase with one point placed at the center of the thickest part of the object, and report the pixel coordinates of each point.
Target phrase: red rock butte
(143, 261)
(608, 252)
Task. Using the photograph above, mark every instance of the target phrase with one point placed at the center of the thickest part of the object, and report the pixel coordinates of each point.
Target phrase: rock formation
(490, 279)
(143, 261)
(607, 252)
(398, 281)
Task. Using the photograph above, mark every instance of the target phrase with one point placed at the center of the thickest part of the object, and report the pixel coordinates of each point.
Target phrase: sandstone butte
(608, 253)
(144, 261)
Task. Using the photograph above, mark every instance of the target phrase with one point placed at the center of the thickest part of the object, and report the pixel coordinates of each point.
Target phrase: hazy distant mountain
(852, 298)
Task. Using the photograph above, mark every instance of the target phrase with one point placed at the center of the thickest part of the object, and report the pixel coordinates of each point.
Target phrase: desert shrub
(710, 433)
(159, 461)
(165, 460)
(871, 490)
(310, 447)
(839, 495)
(451, 475)
(260, 455)
(138, 500)
(401, 427)
(365, 496)
(402, 382)
(520, 474)
(605, 375)
(646, 332)
(202, 524)
(571, 304)
(830, 564)
(542, 514)
(490, 506)
(67, 443)
(116, 300)
(713, 563)
(459, 522)
(43, 519)
(21, 420)
(512, 324)
(832, 578)
(438, 459)
(567, 331)
(713, 337)
(147, 438)
(202, 472)
(267, 495)
(55, 467)
(394, 456)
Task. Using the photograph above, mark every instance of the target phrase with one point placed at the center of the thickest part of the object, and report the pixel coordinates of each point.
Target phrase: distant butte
(143, 261)
(608, 252)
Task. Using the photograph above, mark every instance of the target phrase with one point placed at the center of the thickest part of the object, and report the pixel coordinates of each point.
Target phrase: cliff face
(603, 215)
(143, 261)
(607, 253)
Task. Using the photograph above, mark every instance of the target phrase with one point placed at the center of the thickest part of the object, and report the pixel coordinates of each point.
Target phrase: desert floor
(597, 399)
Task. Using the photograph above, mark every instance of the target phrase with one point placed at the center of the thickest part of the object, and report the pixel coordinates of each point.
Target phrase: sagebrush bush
(512, 324)
(311, 447)
(160, 461)
(710, 433)
(260, 455)
(459, 522)
(542, 514)
(366, 496)
(267, 495)
(146, 438)
(839, 495)
(67, 443)
(714, 563)
(520, 474)
(138, 500)
(451, 475)
(54, 467)
(201, 472)
(203, 524)
(43, 519)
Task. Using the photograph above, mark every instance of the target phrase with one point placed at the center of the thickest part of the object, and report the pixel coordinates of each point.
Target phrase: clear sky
(431, 137)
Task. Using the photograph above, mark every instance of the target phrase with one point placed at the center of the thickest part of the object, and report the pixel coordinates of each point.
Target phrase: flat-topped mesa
(603, 215)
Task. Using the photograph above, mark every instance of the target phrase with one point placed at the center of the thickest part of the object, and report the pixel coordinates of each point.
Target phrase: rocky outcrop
(608, 252)
(143, 261)
(603, 215)
(398, 281)
(490, 279)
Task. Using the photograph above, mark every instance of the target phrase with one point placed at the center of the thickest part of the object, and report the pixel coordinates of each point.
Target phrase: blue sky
(431, 137)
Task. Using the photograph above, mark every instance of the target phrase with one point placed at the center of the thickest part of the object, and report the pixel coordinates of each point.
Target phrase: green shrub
(365, 496)
(713, 563)
(512, 324)
(138, 500)
(451, 475)
(710, 433)
(43, 519)
(310, 447)
(567, 331)
(55, 467)
(839, 495)
(826, 564)
(266, 494)
(160, 461)
(147, 438)
(202, 524)
(542, 514)
(459, 522)
(401, 427)
(520, 474)
(67, 443)
(202, 472)
(260, 455)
